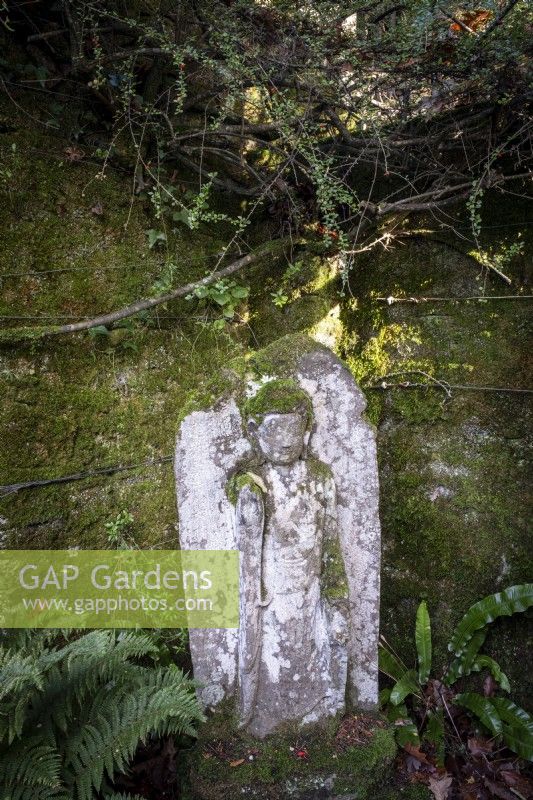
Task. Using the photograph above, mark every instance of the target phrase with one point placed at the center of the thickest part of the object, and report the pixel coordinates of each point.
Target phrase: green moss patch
(352, 755)
(280, 396)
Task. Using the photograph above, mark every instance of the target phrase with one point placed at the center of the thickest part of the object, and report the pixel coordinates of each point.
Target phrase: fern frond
(111, 738)
(31, 769)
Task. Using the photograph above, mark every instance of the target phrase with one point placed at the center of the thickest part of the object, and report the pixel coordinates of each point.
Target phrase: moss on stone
(282, 396)
(333, 581)
(238, 482)
(273, 767)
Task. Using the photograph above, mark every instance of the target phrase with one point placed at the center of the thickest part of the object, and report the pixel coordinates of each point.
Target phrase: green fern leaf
(407, 685)
(483, 710)
(486, 662)
(517, 727)
(462, 665)
(423, 642)
(390, 664)
(513, 600)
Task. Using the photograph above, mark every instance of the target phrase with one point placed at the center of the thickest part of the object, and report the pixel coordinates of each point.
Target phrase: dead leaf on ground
(479, 747)
(415, 752)
(441, 787)
(74, 153)
(497, 790)
(236, 763)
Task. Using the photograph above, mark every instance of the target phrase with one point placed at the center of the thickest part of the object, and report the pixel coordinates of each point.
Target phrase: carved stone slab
(299, 651)
(343, 439)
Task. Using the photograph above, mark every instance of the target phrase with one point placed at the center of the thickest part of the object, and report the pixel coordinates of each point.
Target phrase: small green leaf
(407, 685)
(182, 216)
(423, 642)
(155, 236)
(483, 709)
(98, 330)
(240, 292)
(222, 298)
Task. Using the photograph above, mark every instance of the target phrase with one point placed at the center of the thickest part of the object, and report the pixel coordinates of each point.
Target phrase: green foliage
(75, 710)
(226, 293)
(498, 715)
(513, 600)
(117, 528)
(423, 642)
(482, 708)
(155, 237)
(407, 685)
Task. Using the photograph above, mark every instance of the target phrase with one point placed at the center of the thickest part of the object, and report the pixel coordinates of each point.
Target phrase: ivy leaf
(423, 642)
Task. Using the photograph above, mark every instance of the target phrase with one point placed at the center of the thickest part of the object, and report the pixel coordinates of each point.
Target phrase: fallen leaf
(440, 787)
(236, 763)
(479, 747)
(74, 153)
(489, 686)
(497, 790)
(415, 752)
(518, 782)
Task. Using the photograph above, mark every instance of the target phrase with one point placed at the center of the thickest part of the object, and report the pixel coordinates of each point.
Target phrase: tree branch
(272, 248)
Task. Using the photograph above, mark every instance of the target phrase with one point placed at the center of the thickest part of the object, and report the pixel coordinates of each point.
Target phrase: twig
(440, 384)
(151, 302)
(80, 476)
(393, 300)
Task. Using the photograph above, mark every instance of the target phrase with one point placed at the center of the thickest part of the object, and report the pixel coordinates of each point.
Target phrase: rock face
(288, 477)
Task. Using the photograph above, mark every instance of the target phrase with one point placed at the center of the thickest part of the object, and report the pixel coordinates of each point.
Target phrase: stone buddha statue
(288, 477)
(292, 645)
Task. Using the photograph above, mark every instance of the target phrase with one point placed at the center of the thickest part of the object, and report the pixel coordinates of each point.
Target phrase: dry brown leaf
(479, 747)
(416, 753)
(441, 787)
(236, 763)
(74, 153)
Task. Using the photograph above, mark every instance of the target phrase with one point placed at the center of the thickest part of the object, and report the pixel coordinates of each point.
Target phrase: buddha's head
(279, 420)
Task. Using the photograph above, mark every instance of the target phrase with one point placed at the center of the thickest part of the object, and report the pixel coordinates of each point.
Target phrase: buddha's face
(281, 437)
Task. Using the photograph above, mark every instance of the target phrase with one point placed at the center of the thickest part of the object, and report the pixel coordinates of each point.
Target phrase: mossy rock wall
(454, 501)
